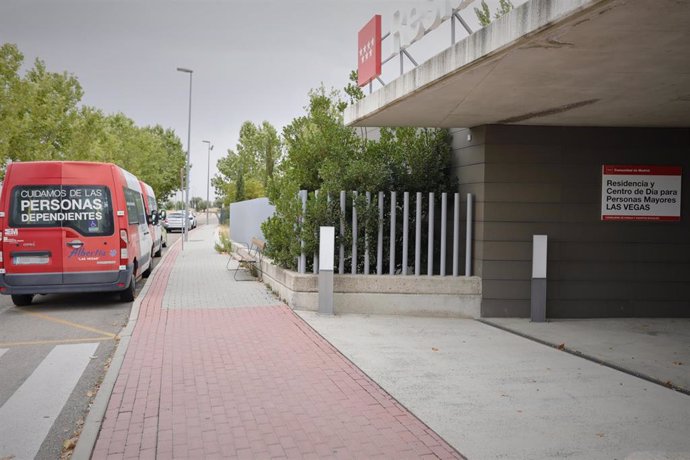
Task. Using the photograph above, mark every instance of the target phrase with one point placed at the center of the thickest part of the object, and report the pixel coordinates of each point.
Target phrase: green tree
(163, 174)
(197, 203)
(247, 171)
(319, 145)
(324, 154)
(38, 111)
(41, 120)
(11, 88)
(484, 15)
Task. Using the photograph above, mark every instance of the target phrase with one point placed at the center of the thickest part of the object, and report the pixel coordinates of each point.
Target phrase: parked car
(192, 219)
(174, 221)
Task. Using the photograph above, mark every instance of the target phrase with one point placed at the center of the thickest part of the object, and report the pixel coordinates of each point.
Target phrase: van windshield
(84, 208)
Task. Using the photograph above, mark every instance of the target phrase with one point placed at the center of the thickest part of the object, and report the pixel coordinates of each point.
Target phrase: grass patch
(225, 245)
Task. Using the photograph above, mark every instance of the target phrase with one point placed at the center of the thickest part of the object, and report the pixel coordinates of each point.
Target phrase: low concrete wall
(458, 297)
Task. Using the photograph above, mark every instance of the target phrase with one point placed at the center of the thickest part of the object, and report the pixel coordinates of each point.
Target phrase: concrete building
(538, 102)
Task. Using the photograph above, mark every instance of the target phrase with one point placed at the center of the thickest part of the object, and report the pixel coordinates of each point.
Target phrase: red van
(71, 227)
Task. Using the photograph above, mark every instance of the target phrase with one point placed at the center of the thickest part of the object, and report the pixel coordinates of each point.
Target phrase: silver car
(174, 221)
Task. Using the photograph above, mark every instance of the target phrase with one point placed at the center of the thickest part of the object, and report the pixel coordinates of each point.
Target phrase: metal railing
(395, 234)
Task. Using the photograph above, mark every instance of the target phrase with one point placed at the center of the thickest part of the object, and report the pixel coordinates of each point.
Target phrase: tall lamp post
(189, 133)
(208, 177)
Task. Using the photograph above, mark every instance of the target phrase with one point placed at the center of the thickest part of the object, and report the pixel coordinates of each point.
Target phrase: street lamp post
(182, 193)
(208, 177)
(189, 133)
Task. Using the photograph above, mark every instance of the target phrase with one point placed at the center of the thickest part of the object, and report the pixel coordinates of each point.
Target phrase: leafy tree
(38, 111)
(163, 170)
(504, 6)
(324, 154)
(197, 203)
(319, 146)
(247, 171)
(41, 120)
(484, 15)
(11, 88)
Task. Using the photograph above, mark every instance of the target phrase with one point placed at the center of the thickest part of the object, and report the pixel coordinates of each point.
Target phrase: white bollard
(326, 262)
(538, 298)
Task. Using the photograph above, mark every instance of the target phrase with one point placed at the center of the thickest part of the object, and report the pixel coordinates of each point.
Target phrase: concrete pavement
(496, 395)
(217, 368)
(220, 369)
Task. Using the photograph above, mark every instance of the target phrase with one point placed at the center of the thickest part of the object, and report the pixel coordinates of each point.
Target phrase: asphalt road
(59, 346)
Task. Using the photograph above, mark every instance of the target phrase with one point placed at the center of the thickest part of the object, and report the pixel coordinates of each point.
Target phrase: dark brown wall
(547, 180)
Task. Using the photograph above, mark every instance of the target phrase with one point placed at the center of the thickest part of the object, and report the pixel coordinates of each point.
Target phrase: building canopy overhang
(551, 62)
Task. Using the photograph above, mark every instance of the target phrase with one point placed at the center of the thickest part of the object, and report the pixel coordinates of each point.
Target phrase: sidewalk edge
(342, 354)
(94, 419)
(562, 347)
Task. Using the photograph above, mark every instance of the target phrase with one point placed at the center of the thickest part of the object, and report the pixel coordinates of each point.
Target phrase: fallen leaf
(434, 349)
(561, 346)
(677, 363)
(69, 443)
(601, 435)
(89, 394)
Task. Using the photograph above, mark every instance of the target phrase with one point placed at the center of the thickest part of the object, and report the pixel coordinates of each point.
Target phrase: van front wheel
(22, 300)
(128, 294)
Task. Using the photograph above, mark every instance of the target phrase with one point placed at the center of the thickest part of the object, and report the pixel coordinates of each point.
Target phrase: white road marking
(26, 418)
(2, 351)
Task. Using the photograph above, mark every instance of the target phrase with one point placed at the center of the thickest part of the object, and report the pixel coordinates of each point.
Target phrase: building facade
(539, 102)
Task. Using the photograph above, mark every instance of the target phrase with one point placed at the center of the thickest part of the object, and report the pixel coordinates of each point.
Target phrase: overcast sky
(252, 59)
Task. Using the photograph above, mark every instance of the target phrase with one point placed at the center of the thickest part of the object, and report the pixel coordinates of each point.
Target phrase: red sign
(369, 51)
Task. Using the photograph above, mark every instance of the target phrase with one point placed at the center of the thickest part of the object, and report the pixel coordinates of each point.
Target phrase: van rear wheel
(128, 294)
(22, 300)
(146, 273)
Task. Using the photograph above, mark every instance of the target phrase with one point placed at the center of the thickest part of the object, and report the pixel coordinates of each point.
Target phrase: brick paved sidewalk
(212, 374)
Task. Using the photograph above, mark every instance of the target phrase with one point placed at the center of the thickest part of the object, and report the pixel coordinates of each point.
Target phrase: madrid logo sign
(407, 27)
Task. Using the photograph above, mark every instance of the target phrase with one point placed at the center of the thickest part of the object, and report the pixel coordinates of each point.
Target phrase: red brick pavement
(253, 382)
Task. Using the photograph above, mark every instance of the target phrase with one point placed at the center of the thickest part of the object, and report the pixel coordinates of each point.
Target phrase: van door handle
(75, 243)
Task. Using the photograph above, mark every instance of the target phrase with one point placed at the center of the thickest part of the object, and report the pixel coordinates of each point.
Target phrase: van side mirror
(154, 218)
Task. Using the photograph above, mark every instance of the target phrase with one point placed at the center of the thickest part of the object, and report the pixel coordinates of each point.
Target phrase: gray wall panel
(471, 174)
(246, 218)
(507, 250)
(506, 307)
(530, 193)
(547, 180)
(507, 269)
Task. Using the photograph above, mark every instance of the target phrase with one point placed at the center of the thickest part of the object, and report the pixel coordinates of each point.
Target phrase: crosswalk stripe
(26, 418)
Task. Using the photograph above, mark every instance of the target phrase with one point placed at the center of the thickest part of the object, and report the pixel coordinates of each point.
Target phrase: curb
(94, 419)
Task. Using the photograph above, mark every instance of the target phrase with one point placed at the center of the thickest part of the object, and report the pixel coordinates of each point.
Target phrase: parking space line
(71, 324)
(26, 418)
(54, 342)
